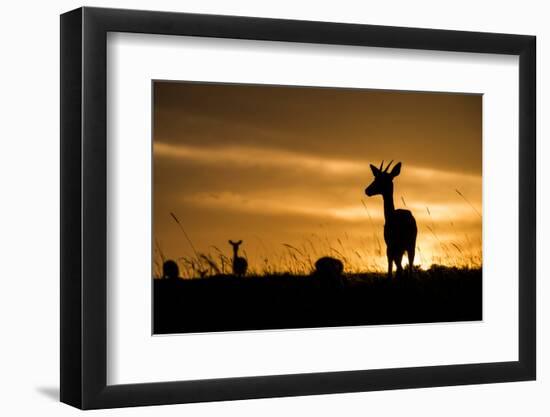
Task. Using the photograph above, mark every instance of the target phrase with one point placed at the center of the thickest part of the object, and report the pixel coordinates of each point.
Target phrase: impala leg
(398, 260)
(390, 264)
(410, 254)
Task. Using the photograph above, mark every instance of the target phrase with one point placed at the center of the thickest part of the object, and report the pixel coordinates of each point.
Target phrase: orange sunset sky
(285, 169)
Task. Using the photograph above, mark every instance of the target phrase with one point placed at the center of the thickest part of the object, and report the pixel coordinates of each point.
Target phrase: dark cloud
(435, 130)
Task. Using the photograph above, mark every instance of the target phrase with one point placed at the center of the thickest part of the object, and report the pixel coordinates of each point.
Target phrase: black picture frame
(84, 207)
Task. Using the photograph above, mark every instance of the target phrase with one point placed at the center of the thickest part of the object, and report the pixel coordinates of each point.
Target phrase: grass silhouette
(281, 301)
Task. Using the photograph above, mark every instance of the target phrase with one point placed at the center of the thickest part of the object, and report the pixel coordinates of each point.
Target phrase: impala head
(235, 244)
(383, 180)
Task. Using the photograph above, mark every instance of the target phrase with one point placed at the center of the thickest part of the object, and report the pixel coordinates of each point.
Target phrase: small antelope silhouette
(400, 226)
(170, 270)
(329, 271)
(240, 264)
(329, 266)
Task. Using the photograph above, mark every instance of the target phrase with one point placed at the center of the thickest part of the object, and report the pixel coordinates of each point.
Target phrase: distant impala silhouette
(240, 264)
(400, 226)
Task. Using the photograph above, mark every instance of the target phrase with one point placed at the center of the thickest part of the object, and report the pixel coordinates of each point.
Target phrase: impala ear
(231, 242)
(396, 170)
(239, 242)
(375, 171)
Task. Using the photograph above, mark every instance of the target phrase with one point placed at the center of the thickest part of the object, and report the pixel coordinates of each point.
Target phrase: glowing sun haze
(285, 169)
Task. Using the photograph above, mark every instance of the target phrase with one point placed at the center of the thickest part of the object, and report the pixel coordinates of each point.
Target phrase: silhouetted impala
(400, 226)
(240, 264)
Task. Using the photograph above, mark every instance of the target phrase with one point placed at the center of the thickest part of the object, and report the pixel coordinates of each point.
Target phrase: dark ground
(226, 302)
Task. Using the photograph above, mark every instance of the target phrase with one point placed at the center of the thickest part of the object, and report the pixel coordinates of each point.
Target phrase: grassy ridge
(225, 302)
(365, 254)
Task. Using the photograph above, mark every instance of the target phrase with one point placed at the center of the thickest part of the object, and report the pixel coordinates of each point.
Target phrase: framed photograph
(256, 208)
